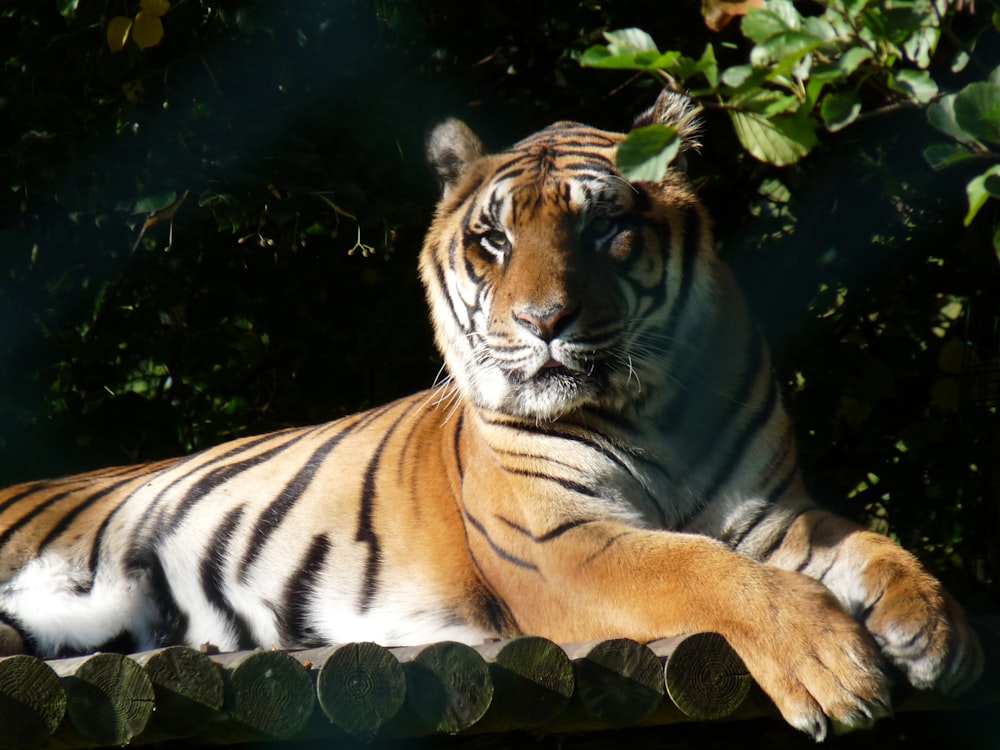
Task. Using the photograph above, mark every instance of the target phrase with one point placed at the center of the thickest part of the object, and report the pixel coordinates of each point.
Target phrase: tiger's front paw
(820, 667)
(919, 627)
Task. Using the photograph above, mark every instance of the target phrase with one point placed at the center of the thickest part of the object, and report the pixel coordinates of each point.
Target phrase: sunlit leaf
(941, 114)
(977, 111)
(645, 154)
(147, 31)
(631, 39)
(921, 45)
(942, 155)
(980, 189)
(155, 7)
(67, 7)
(629, 49)
(785, 50)
(780, 140)
(917, 84)
(853, 58)
(737, 75)
(118, 30)
(778, 16)
(840, 109)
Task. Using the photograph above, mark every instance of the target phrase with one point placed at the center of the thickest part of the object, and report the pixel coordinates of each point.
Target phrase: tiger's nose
(546, 324)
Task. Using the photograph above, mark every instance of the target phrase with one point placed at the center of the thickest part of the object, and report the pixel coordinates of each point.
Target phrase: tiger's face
(548, 273)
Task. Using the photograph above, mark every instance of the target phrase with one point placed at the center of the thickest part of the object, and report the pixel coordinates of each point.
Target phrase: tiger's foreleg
(602, 579)
(917, 625)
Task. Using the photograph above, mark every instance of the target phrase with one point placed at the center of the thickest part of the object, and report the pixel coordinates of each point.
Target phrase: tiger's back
(610, 456)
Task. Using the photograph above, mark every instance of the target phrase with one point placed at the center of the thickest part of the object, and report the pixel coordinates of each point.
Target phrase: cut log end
(360, 687)
(705, 678)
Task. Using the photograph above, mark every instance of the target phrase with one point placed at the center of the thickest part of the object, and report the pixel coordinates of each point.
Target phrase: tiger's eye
(601, 227)
(497, 238)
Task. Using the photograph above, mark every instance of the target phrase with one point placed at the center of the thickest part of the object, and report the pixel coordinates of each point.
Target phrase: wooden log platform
(364, 693)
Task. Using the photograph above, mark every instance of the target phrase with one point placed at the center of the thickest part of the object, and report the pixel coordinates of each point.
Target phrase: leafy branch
(809, 74)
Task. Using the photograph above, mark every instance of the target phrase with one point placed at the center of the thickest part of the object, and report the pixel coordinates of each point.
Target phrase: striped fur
(609, 457)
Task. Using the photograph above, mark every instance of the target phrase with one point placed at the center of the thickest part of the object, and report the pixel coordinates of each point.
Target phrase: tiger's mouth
(555, 389)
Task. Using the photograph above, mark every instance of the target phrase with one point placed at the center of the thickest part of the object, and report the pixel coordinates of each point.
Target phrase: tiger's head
(554, 283)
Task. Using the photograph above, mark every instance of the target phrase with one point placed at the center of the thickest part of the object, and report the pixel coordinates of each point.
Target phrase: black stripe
(597, 447)
(144, 521)
(457, 444)
(738, 448)
(674, 410)
(753, 360)
(497, 613)
(220, 475)
(548, 536)
(781, 487)
(213, 577)
(152, 530)
(31, 514)
(300, 590)
(31, 489)
(66, 519)
(775, 545)
(611, 541)
(274, 514)
(366, 527)
(501, 553)
(758, 517)
(569, 484)
(173, 624)
(69, 516)
(690, 248)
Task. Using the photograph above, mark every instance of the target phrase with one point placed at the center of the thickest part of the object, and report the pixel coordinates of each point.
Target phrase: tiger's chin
(551, 395)
(557, 392)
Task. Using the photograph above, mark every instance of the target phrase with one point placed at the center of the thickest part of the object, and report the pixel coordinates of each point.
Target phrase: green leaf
(981, 188)
(633, 40)
(916, 84)
(920, 46)
(977, 111)
(851, 60)
(784, 50)
(737, 75)
(941, 114)
(781, 140)
(943, 155)
(155, 202)
(631, 49)
(840, 109)
(67, 8)
(645, 153)
(778, 16)
(709, 66)
(687, 67)
(960, 61)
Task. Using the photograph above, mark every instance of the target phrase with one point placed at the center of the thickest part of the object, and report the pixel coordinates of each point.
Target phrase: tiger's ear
(677, 111)
(451, 148)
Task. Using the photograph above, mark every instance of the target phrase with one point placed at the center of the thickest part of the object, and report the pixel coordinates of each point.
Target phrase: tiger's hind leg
(57, 608)
(11, 640)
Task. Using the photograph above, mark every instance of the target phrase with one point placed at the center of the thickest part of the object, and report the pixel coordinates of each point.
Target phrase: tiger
(608, 456)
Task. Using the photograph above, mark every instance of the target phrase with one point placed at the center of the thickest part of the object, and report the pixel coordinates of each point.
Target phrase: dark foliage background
(217, 236)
